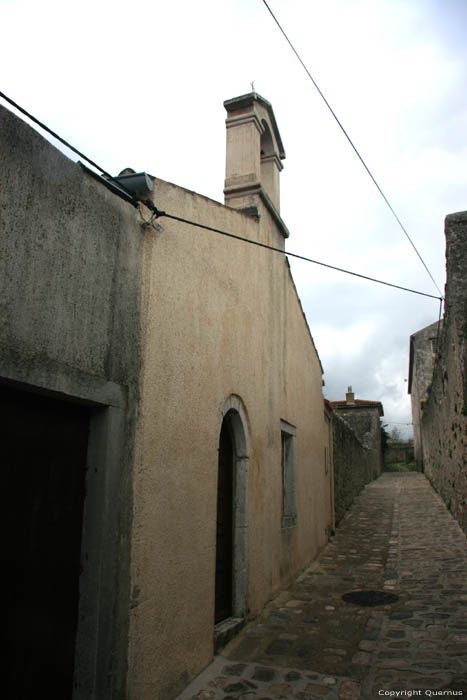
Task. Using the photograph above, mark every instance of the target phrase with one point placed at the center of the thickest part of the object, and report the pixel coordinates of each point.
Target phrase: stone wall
(423, 349)
(353, 465)
(444, 418)
(401, 452)
(365, 421)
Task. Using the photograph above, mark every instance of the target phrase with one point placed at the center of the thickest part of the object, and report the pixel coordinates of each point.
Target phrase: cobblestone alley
(397, 538)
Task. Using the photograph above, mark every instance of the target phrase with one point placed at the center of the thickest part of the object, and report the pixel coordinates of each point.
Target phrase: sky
(142, 85)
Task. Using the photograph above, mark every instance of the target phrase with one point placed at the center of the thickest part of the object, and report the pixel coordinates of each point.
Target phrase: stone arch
(267, 142)
(236, 408)
(235, 416)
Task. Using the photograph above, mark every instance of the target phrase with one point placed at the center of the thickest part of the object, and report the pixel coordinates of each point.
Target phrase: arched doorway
(224, 524)
(231, 582)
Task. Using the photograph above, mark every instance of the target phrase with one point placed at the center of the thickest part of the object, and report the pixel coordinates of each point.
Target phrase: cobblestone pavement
(308, 643)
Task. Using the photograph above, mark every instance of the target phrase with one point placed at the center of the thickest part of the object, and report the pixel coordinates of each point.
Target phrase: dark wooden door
(224, 538)
(44, 447)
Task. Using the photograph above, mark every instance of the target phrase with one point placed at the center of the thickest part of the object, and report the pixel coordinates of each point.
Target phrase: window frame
(288, 475)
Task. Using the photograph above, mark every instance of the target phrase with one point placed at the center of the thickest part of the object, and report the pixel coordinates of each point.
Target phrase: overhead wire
(353, 145)
(156, 213)
(72, 148)
(293, 255)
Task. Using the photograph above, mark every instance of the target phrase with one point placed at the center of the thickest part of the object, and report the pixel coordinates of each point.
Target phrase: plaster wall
(221, 319)
(243, 153)
(444, 417)
(254, 151)
(270, 178)
(70, 280)
(155, 332)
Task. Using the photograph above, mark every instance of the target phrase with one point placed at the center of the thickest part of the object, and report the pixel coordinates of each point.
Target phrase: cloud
(144, 86)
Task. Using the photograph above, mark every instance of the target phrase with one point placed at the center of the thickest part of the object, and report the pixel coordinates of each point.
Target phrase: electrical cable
(292, 255)
(43, 126)
(353, 146)
(157, 213)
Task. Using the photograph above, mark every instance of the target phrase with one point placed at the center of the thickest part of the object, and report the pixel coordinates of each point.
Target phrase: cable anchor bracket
(156, 213)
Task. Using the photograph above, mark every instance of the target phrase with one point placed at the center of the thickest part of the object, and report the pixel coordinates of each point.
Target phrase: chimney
(254, 152)
(350, 396)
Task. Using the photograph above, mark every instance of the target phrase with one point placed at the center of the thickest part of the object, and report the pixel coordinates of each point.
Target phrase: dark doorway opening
(224, 532)
(44, 450)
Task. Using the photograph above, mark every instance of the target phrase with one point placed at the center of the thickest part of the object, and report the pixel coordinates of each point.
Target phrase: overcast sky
(142, 85)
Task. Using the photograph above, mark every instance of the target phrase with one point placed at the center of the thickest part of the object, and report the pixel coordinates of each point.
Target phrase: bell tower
(254, 153)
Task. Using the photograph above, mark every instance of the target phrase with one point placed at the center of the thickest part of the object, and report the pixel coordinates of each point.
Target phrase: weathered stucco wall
(75, 251)
(353, 464)
(444, 418)
(70, 295)
(221, 319)
(157, 332)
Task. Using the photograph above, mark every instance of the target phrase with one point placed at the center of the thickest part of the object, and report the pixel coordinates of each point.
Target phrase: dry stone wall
(353, 465)
(444, 419)
(365, 422)
(423, 350)
(398, 452)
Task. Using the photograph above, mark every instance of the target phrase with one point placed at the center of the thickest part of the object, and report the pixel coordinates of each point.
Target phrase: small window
(289, 500)
(434, 345)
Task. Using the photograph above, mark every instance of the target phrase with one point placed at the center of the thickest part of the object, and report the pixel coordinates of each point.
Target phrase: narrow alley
(397, 539)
